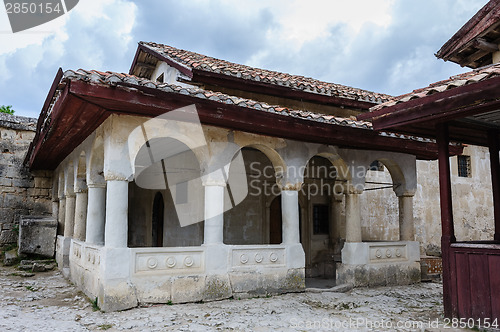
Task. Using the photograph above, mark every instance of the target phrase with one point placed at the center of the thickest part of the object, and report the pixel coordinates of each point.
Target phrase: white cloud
(381, 45)
(303, 21)
(13, 41)
(94, 35)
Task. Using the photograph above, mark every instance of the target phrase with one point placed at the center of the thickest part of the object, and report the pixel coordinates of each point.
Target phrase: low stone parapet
(121, 278)
(379, 263)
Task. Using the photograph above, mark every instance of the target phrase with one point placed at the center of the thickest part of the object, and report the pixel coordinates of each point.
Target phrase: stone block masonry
(21, 192)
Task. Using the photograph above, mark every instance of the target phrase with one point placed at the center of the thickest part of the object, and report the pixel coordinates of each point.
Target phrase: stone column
(406, 225)
(61, 215)
(96, 213)
(80, 214)
(214, 214)
(69, 220)
(290, 216)
(116, 227)
(353, 217)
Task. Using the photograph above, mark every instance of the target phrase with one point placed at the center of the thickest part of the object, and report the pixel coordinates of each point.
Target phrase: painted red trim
(136, 57)
(86, 105)
(495, 178)
(445, 106)
(180, 67)
(447, 227)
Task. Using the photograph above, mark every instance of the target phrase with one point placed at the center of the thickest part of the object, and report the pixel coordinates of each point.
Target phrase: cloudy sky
(380, 45)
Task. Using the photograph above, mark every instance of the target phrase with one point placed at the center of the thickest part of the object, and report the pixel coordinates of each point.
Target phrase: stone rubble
(48, 302)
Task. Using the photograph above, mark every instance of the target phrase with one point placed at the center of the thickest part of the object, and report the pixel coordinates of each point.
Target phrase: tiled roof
(467, 46)
(456, 81)
(195, 61)
(112, 78)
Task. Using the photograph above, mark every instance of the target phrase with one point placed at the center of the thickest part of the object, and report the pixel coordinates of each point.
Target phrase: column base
(63, 246)
(379, 263)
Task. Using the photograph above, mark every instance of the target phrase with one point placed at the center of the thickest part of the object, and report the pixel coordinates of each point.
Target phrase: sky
(385, 46)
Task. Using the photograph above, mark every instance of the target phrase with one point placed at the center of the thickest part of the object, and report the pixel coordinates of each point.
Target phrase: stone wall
(21, 193)
(472, 201)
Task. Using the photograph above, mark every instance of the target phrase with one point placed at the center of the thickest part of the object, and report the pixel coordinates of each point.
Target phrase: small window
(377, 166)
(464, 169)
(160, 79)
(320, 219)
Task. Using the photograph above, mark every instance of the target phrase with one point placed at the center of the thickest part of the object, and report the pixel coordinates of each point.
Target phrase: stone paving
(48, 302)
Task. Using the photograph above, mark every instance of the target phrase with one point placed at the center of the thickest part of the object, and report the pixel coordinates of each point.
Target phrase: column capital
(213, 182)
(353, 191)
(406, 193)
(291, 186)
(96, 185)
(81, 191)
(215, 177)
(114, 177)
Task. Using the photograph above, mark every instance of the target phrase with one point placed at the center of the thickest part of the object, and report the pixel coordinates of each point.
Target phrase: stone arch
(277, 161)
(343, 172)
(190, 134)
(398, 178)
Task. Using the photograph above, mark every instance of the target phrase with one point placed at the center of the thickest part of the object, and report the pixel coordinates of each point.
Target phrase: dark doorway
(275, 221)
(157, 224)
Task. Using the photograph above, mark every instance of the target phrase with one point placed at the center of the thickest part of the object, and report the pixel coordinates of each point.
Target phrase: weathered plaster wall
(21, 193)
(472, 200)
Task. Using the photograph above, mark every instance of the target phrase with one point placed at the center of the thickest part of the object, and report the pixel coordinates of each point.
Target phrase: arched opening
(249, 221)
(81, 198)
(157, 221)
(379, 204)
(166, 200)
(321, 229)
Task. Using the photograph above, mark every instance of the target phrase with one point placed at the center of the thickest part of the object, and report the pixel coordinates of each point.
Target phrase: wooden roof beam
(484, 45)
(146, 65)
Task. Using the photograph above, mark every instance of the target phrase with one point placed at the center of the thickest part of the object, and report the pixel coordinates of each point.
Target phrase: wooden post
(495, 178)
(448, 232)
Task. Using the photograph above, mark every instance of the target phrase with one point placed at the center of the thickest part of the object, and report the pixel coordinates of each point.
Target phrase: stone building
(193, 178)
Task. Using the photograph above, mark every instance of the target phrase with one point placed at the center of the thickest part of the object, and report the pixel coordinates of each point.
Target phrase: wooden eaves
(82, 106)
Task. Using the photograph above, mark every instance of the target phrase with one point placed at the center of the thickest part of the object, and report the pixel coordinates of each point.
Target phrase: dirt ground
(48, 302)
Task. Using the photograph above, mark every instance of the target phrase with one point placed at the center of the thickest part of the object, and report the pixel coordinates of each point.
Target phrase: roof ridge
(197, 61)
